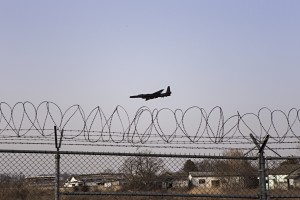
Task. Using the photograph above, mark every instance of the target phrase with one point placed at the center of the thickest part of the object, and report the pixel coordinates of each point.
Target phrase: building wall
(277, 182)
(206, 182)
(217, 182)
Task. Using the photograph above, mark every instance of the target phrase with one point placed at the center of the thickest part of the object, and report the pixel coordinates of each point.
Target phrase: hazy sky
(240, 55)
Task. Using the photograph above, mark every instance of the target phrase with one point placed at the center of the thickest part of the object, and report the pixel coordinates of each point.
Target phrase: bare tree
(239, 166)
(142, 171)
(189, 166)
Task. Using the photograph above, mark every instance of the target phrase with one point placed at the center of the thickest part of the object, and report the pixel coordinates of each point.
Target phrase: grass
(29, 192)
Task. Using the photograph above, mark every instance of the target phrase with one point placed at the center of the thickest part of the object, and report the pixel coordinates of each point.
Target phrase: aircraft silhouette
(154, 95)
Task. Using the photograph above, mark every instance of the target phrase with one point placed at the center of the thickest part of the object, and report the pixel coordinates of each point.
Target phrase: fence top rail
(282, 158)
(129, 154)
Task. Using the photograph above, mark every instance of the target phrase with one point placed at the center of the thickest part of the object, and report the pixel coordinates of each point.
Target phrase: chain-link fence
(26, 175)
(88, 175)
(62, 175)
(283, 177)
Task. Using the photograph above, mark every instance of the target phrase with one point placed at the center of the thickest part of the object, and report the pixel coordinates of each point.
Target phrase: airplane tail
(167, 93)
(168, 90)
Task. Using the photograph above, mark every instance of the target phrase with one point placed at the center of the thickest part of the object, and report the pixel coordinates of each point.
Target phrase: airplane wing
(153, 95)
(137, 96)
(157, 93)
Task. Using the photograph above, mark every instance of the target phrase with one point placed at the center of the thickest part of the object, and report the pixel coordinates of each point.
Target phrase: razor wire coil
(25, 120)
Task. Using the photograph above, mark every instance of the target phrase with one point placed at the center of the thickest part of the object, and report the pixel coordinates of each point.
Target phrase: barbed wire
(194, 125)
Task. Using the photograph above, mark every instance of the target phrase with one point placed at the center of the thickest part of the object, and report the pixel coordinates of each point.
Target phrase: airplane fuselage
(153, 95)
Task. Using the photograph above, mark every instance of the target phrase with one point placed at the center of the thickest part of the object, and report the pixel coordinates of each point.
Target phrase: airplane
(154, 95)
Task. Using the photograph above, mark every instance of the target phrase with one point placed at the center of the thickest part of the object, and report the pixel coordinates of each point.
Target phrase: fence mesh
(145, 175)
(87, 175)
(283, 177)
(26, 176)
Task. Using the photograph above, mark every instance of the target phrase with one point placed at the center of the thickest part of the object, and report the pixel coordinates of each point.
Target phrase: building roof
(201, 174)
(294, 174)
(285, 169)
(173, 177)
(218, 174)
(98, 177)
(41, 180)
(40, 177)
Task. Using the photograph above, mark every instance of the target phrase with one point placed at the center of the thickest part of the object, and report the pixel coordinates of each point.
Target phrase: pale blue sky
(241, 55)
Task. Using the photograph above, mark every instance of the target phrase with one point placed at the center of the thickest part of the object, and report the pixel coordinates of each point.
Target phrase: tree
(142, 171)
(240, 166)
(209, 165)
(291, 161)
(189, 166)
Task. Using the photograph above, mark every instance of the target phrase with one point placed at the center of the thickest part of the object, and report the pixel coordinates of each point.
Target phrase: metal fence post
(262, 166)
(262, 169)
(57, 175)
(262, 177)
(57, 162)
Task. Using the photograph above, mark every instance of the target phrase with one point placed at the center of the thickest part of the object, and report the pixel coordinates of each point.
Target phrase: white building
(214, 180)
(105, 180)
